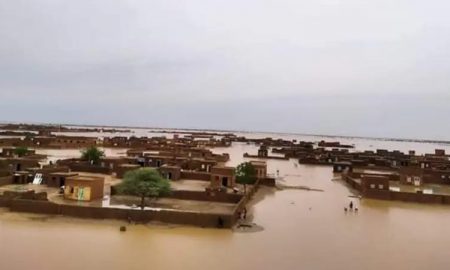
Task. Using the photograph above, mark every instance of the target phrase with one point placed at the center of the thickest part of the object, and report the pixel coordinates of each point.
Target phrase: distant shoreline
(240, 131)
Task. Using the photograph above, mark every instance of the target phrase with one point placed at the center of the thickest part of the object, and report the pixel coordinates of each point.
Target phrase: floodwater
(302, 230)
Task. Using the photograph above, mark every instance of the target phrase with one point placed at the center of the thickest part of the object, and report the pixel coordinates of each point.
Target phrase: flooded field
(301, 230)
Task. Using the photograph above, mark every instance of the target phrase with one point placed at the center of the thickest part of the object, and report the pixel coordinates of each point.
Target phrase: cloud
(259, 65)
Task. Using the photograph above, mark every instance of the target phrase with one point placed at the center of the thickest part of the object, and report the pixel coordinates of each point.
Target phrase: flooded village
(304, 193)
(225, 135)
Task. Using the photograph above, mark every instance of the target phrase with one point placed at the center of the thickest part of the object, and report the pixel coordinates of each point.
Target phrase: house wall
(436, 177)
(206, 196)
(216, 180)
(122, 170)
(352, 182)
(205, 176)
(83, 167)
(373, 183)
(174, 172)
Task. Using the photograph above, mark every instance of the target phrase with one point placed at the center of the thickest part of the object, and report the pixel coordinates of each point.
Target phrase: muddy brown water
(301, 230)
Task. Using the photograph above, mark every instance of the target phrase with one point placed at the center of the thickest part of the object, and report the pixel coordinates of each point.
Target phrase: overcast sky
(346, 67)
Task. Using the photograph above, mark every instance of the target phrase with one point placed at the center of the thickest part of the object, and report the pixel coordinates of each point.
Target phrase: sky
(338, 67)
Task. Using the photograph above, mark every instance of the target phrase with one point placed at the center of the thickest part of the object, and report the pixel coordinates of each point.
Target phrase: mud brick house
(135, 153)
(437, 176)
(411, 176)
(84, 188)
(20, 164)
(425, 164)
(170, 172)
(339, 167)
(374, 183)
(73, 142)
(333, 144)
(11, 142)
(22, 177)
(401, 162)
(50, 141)
(10, 152)
(115, 142)
(157, 160)
(45, 132)
(47, 171)
(222, 177)
(38, 141)
(185, 162)
(114, 162)
(199, 164)
(263, 151)
(57, 179)
(76, 164)
(260, 167)
(120, 170)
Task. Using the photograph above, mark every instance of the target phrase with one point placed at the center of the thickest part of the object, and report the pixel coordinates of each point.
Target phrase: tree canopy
(245, 174)
(144, 182)
(21, 151)
(92, 154)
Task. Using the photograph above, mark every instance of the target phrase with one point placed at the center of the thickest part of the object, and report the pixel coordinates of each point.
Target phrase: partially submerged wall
(352, 182)
(206, 196)
(396, 195)
(408, 197)
(166, 216)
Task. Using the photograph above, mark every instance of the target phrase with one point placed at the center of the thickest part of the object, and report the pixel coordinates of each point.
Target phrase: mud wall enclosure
(143, 216)
(137, 215)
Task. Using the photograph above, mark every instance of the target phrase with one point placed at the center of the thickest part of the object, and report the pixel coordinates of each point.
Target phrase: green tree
(145, 183)
(245, 174)
(20, 151)
(92, 154)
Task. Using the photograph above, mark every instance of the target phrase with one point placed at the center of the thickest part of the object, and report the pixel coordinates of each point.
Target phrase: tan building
(84, 188)
(222, 177)
(261, 168)
(124, 168)
(170, 172)
(371, 183)
(411, 176)
(57, 179)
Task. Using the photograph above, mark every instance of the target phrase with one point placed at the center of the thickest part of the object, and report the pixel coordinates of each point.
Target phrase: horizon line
(240, 131)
